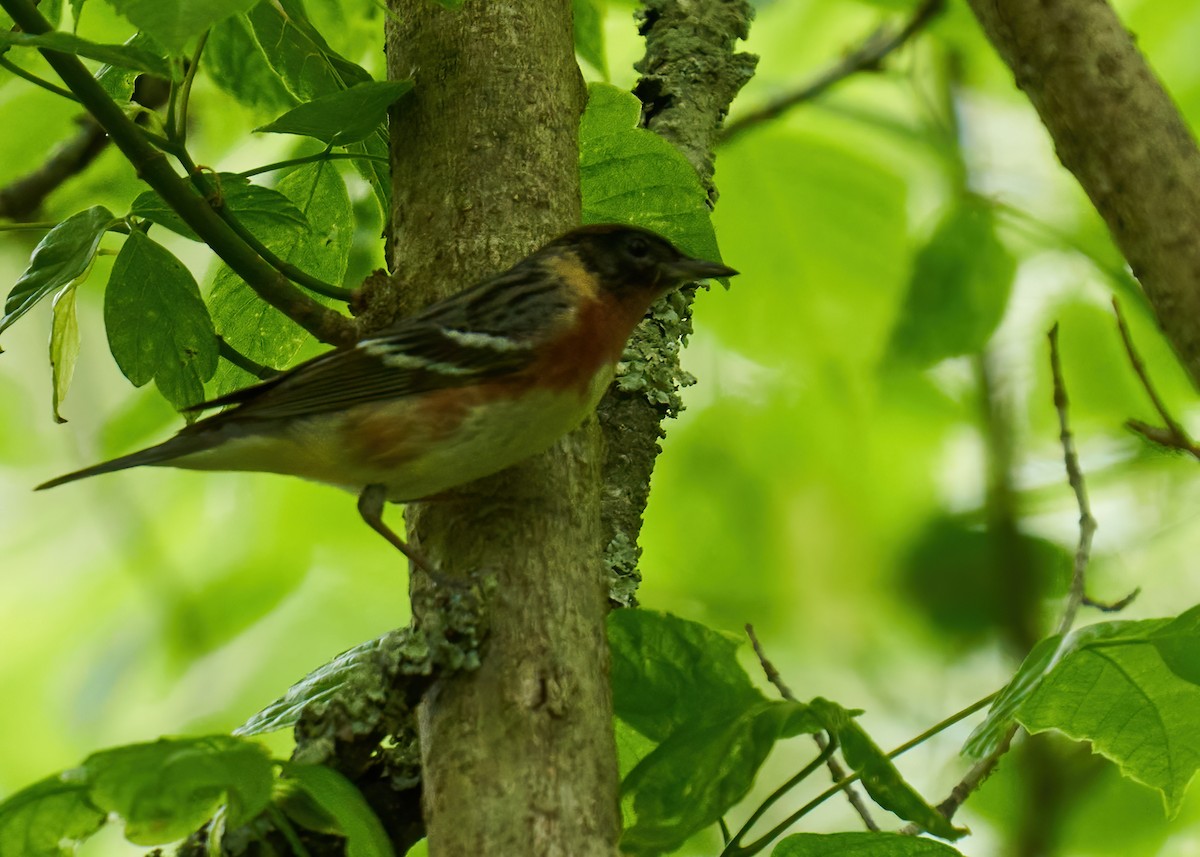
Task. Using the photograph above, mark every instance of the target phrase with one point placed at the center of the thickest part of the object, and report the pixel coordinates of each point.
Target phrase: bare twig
(866, 57)
(1174, 436)
(1087, 524)
(835, 768)
(1077, 596)
(973, 779)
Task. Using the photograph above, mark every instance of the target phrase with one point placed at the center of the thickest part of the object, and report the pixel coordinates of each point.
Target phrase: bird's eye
(638, 247)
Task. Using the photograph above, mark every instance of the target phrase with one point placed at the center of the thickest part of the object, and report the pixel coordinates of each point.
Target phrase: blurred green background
(868, 469)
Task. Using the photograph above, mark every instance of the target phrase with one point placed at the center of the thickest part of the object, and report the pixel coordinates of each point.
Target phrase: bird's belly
(415, 448)
(487, 441)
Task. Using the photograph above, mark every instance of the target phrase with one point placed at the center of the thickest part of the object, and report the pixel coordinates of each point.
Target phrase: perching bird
(467, 387)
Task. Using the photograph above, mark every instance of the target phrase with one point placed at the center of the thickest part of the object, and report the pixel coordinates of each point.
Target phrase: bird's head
(635, 263)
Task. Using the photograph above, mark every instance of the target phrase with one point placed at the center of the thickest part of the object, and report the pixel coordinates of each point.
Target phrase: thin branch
(153, 167)
(1174, 436)
(292, 272)
(866, 57)
(1087, 524)
(10, 66)
(835, 768)
(1076, 598)
(973, 779)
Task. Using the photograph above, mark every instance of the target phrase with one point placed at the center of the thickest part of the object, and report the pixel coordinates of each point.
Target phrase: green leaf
(693, 777)
(349, 116)
(958, 289)
(158, 326)
(48, 819)
(961, 577)
(259, 208)
(304, 61)
(64, 254)
(1178, 644)
(988, 734)
(450, 4)
(669, 673)
(365, 836)
(252, 326)
(64, 346)
(235, 61)
(310, 68)
(175, 23)
(879, 776)
(631, 175)
(124, 56)
(1116, 689)
(861, 845)
(166, 789)
(680, 684)
(319, 685)
(589, 33)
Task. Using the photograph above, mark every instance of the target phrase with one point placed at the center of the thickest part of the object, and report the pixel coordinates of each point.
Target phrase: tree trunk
(518, 756)
(1117, 130)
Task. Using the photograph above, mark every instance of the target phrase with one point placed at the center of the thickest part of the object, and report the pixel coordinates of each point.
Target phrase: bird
(465, 388)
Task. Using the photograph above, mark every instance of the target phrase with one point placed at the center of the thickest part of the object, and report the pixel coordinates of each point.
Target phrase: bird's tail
(177, 446)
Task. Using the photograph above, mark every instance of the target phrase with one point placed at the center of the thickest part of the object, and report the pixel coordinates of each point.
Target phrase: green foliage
(63, 256)
(960, 576)
(309, 69)
(260, 209)
(48, 819)
(631, 175)
(316, 687)
(345, 117)
(879, 776)
(1130, 689)
(64, 346)
(236, 62)
(158, 326)
(860, 845)
(344, 805)
(164, 790)
(589, 33)
(176, 23)
(958, 290)
(680, 685)
(804, 491)
(321, 248)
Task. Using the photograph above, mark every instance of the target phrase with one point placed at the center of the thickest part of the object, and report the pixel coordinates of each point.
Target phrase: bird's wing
(485, 332)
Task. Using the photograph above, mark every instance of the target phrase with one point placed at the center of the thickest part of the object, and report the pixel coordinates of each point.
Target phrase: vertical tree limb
(690, 74)
(518, 757)
(1115, 127)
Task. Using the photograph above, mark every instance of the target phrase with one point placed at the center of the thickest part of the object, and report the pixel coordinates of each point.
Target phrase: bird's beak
(687, 270)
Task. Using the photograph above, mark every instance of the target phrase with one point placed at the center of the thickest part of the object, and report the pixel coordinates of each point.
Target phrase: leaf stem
(185, 91)
(9, 65)
(325, 155)
(734, 847)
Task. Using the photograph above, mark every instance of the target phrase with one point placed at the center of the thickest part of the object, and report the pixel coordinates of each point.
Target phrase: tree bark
(518, 756)
(1115, 127)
